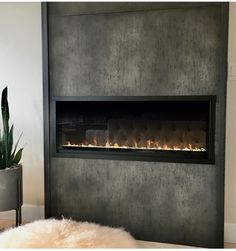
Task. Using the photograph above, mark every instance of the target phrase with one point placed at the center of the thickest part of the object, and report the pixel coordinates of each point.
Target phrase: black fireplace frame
(162, 156)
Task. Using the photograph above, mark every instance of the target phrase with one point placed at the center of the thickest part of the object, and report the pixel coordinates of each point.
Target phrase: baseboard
(230, 232)
(29, 213)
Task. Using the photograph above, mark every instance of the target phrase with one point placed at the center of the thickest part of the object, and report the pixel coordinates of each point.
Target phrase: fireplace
(172, 129)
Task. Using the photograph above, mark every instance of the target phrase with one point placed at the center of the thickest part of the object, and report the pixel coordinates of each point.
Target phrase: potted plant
(10, 169)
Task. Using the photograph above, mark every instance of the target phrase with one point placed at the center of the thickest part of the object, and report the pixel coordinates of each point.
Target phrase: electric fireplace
(172, 129)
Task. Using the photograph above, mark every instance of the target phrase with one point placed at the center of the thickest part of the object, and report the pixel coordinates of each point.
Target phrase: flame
(95, 142)
(150, 145)
(116, 145)
(135, 143)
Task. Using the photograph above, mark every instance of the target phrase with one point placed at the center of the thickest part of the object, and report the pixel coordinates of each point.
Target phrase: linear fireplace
(172, 129)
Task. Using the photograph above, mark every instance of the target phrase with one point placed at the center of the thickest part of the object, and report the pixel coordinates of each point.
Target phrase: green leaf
(4, 148)
(7, 157)
(0, 143)
(5, 110)
(10, 142)
(13, 154)
(2, 166)
(18, 156)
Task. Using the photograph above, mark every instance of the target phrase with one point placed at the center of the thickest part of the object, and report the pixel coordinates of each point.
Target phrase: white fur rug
(65, 234)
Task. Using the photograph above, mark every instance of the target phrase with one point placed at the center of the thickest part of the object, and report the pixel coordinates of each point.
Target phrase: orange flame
(149, 145)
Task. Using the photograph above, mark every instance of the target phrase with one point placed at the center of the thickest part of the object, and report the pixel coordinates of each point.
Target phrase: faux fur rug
(65, 234)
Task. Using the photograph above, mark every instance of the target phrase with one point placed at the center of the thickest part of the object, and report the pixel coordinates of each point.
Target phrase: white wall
(21, 71)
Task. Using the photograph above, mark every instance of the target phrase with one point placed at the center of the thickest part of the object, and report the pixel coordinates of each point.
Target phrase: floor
(143, 244)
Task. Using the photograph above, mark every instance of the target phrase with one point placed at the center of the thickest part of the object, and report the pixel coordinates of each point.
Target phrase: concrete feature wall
(160, 52)
(21, 71)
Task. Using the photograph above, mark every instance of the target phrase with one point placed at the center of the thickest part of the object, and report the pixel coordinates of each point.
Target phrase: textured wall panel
(154, 201)
(166, 52)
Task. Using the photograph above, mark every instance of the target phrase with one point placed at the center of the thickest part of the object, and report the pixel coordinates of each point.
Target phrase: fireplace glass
(138, 129)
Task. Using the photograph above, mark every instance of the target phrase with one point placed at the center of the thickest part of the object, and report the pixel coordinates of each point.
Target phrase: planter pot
(11, 190)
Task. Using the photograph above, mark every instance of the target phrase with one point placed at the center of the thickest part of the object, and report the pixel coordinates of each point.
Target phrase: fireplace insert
(172, 129)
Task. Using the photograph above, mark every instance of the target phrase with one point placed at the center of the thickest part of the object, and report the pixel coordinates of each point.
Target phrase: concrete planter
(11, 191)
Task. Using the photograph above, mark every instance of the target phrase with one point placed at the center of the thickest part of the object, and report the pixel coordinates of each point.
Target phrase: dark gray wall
(172, 51)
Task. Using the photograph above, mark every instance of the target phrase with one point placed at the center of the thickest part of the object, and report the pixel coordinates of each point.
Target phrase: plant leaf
(4, 148)
(18, 156)
(5, 110)
(10, 142)
(7, 157)
(13, 154)
(0, 143)
(2, 166)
